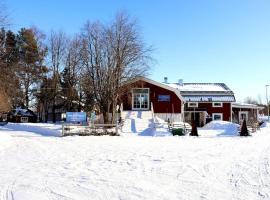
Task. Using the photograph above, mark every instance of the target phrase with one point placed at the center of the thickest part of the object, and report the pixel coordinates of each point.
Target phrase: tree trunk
(105, 117)
(53, 112)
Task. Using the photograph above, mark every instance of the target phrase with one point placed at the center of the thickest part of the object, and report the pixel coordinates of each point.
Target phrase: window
(164, 98)
(217, 116)
(243, 115)
(217, 104)
(192, 104)
(24, 119)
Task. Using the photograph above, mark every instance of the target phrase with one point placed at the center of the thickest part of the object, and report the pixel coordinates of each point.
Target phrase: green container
(178, 131)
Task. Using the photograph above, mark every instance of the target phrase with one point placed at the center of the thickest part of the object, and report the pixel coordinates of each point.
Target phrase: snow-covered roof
(204, 92)
(246, 105)
(23, 112)
(200, 87)
(165, 86)
(209, 98)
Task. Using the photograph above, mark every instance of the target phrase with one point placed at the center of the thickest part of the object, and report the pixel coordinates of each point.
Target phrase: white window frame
(24, 119)
(148, 104)
(221, 104)
(242, 112)
(220, 114)
(191, 106)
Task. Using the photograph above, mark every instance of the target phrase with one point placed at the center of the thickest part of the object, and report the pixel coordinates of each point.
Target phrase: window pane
(217, 117)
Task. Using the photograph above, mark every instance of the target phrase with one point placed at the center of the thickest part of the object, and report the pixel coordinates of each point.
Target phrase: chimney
(165, 79)
(180, 82)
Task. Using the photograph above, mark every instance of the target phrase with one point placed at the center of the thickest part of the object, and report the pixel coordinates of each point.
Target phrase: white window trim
(221, 104)
(221, 114)
(195, 106)
(148, 104)
(242, 112)
(24, 119)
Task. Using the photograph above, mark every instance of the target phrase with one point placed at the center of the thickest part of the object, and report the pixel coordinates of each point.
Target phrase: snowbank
(5, 139)
(155, 168)
(43, 129)
(222, 128)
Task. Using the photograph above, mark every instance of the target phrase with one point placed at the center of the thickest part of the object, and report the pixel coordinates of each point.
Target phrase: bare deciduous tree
(71, 76)
(113, 54)
(57, 51)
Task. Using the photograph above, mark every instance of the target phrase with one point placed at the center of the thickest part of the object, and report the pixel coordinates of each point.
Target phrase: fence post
(63, 130)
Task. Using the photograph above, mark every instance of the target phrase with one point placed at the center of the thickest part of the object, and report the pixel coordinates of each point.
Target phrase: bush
(194, 130)
(244, 130)
(178, 131)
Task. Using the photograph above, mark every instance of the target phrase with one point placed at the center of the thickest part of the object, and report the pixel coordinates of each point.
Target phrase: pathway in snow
(133, 167)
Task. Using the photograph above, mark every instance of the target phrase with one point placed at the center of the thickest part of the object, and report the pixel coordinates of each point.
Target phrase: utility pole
(267, 103)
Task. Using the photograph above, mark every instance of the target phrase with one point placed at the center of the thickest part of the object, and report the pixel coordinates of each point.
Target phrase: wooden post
(63, 129)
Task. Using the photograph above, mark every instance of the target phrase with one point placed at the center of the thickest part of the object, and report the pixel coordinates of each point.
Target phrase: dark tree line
(82, 71)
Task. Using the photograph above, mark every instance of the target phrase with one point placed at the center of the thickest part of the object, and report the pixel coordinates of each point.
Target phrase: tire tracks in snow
(264, 173)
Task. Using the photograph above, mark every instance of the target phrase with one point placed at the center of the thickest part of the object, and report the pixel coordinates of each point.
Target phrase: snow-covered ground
(37, 164)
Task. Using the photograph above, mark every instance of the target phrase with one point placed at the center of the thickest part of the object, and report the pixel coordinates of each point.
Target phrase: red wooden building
(145, 94)
(180, 101)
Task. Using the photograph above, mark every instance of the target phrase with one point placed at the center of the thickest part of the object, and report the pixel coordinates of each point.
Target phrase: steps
(139, 122)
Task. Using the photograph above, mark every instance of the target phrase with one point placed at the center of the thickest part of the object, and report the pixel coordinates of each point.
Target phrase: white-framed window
(243, 115)
(217, 104)
(24, 119)
(193, 104)
(217, 116)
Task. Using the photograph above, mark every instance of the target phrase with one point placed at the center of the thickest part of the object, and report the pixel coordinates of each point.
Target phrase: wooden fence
(92, 129)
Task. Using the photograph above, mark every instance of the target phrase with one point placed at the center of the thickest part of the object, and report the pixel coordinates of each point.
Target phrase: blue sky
(199, 41)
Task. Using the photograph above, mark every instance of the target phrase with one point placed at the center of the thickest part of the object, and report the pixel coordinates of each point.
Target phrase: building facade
(201, 102)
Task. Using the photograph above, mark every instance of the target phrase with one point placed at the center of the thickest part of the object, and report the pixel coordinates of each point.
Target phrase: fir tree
(244, 130)
(194, 130)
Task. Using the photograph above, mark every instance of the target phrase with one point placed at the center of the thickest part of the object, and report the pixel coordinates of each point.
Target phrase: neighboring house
(20, 115)
(249, 112)
(180, 101)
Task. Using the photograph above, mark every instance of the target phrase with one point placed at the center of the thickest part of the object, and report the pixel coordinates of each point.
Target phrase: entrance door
(243, 115)
(140, 100)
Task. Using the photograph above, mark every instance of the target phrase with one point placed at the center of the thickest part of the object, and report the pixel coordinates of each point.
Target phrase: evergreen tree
(244, 130)
(194, 130)
(70, 94)
(30, 67)
(8, 66)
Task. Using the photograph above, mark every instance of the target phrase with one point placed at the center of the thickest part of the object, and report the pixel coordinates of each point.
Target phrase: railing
(153, 114)
(92, 129)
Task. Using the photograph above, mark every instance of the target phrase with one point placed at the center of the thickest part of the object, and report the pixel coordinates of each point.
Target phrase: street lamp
(267, 104)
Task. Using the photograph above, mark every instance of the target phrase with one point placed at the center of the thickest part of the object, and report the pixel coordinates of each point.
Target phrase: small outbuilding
(22, 115)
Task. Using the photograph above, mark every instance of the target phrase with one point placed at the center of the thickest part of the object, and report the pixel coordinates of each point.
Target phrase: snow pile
(5, 139)
(263, 118)
(43, 129)
(138, 123)
(155, 168)
(265, 125)
(222, 128)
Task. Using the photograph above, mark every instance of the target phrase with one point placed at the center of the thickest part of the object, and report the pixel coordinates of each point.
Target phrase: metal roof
(246, 105)
(209, 98)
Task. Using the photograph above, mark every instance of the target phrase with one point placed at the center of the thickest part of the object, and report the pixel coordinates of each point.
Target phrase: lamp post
(267, 104)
